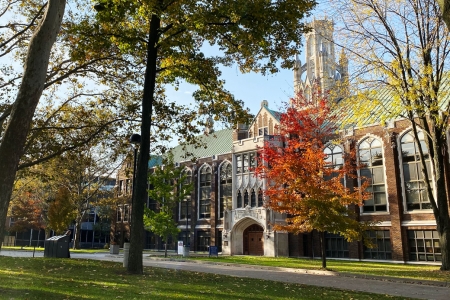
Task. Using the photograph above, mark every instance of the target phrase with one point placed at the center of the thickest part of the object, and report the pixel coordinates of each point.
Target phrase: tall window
(128, 186)
(119, 214)
(371, 156)
(239, 199)
(226, 186)
(185, 205)
(253, 199)
(260, 198)
(205, 192)
(415, 191)
(126, 214)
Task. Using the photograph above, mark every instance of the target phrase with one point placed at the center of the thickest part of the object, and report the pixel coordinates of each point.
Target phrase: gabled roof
(219, 142)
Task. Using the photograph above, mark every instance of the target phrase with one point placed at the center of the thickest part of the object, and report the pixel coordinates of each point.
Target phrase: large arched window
(205, 193)
(226, 185)
(371, 156)
(185, 204)
(415, 191)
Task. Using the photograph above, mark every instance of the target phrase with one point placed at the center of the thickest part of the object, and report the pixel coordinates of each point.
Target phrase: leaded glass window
(371, 156)
(205, 193)
(415, 190)
(185, 205)
(226, 186)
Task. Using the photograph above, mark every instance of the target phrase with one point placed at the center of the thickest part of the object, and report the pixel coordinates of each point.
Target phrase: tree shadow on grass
(11, 293)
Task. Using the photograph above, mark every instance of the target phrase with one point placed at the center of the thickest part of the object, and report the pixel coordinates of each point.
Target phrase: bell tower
(320, 70)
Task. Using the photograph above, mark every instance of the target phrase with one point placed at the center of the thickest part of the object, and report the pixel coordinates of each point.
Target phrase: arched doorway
(253, 240)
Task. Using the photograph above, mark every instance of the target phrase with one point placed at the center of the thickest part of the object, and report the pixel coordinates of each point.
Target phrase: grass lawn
(420, 272)
(45, 278)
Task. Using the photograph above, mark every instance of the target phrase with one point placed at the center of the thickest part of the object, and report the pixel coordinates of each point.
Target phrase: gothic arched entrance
(253, 240)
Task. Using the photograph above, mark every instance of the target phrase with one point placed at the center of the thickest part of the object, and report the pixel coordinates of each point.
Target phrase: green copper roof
(219, 142)
(275, 114)
(154, 161)
(379, 106)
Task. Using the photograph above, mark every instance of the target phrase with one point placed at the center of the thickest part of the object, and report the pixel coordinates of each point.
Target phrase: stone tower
(320, 70)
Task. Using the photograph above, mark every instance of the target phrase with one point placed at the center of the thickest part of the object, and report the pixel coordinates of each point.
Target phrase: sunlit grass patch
(45, 278)
(411, 271)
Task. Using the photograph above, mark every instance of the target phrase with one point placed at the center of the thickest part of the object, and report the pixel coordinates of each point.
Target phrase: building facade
(227, 209)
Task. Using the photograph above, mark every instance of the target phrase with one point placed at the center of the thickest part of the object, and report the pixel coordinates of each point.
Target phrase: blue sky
(252, 88)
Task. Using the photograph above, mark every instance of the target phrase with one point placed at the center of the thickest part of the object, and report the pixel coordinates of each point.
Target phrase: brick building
(227, 207)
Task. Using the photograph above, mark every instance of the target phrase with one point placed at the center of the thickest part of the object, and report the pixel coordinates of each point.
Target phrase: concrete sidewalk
(378, 285)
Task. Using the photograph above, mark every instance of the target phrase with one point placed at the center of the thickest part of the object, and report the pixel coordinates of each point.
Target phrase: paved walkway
(378, 285)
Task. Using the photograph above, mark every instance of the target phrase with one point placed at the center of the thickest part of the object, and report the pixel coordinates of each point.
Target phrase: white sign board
(180, 247)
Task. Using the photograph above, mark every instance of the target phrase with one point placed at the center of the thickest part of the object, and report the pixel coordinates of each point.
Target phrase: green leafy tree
(171, 38)
(169, 186)
(403, 48)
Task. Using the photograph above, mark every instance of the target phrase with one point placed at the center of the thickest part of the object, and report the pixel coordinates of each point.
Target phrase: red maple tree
(27, 210)
(305, 182)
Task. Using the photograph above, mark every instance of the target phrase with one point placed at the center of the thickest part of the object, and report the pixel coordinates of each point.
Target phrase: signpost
(180, 248)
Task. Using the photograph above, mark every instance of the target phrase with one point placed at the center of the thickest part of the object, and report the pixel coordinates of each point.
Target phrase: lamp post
(187, 222)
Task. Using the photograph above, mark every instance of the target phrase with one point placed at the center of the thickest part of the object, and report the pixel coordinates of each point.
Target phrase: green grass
(45, 278)
(415, 271)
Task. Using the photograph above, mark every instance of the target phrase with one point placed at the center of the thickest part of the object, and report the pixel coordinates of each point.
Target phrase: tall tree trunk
(30, 91)
(165, 246)
(322, 250)
(441, 213)
(441, 209)
(140, 188)
(444, 242)
(77, 233)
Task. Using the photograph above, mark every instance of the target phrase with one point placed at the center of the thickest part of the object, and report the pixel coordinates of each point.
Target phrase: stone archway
(237, 240)
(253, 240)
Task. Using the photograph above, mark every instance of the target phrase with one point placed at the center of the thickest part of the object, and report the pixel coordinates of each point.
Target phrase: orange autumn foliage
(306, 183)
